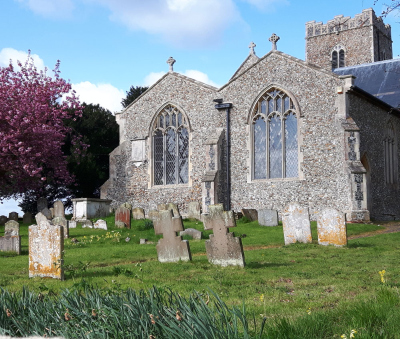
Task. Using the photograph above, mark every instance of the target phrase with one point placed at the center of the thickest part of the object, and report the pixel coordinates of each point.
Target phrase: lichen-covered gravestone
(331, 227)
(267, 217)
(27, 218)
(13, 216)
(46, 248)
(3, 220)
(59, 209)
(194, 210)
(138, 213)
(61, 221)
(250, 214)
(40, 217)
(153, 214)
(171, 248)
(174, 208)
(101, 224)
(123, 217)
(296, 224)
(42, 204)
(11, 240)
(223, 248)
(192, 232)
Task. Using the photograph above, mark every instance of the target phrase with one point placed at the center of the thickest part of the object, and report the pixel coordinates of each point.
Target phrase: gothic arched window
(275, 151)
(338, 57)
(170, 148)
(390, 153)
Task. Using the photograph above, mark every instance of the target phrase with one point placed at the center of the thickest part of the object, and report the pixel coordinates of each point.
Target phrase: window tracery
(390, 153)
(170, 147)
(338, 57)
(275, 141)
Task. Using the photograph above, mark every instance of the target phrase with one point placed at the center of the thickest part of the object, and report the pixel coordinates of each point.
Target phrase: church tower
(346, 41)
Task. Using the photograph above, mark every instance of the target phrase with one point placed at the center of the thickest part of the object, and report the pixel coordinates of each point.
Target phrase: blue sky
(106, 46)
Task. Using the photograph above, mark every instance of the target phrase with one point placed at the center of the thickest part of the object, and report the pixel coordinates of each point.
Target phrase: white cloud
(105, 95)
(153, 77)
(266, 4)
(50, 8)
(10, 53)
(184, 23)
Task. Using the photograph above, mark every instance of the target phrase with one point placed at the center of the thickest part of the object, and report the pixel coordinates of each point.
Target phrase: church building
(322, 132)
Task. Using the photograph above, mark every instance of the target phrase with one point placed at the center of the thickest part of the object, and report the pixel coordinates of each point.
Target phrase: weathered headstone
(194, 210)
(61, 221)
(40, 217)
(143, 241)
(153, 214)
(59, 209)
(11, 240)
(46, 212)
(46, 249)
(27, 218)
(87, 223)
(268, 217)
(296, 224)
(71, 224)
(102, 224)
(3, 220)
(331, 227)
(250, 214)
(138, 213)
(171, 248)
(42, 204)
(52, 212)
(195, 234)
(174, 208)
(162, 207)
(13, 216)
(223, 248)
(126, 205)
(11, 229)
(123, 215)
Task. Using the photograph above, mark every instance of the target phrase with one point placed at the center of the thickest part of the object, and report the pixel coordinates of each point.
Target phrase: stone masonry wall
(372, 121)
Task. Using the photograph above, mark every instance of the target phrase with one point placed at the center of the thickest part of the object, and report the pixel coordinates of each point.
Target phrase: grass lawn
(287, 285)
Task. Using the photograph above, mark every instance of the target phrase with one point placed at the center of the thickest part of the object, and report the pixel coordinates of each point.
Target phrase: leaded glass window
(338, 57)
(170, 148)
(275, 145)
(390, 154)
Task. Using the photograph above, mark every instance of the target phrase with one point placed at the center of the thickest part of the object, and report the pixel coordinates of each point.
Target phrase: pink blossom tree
(33, 109)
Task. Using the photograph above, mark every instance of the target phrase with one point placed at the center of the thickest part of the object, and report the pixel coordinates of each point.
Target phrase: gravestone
(11, 240)
(194, 210)
(87, 224)
(153, 214)
(40, 217)
(267, 217)
(46, 212)
(296, 224)
(42, 204)
(46, 248)
(162, 207)
(71, 224)
(250, 214)
(27, 218)
(123, 215)
(174, 208)
(126, 205)
(223, 248)
(13, 216)
(59, 209)
(52, 212)
(138, 213)
(331, 227)
(171, 248)
(195, 234)
(143, 241)
(3, 220)
(101, 224)
(61, 221)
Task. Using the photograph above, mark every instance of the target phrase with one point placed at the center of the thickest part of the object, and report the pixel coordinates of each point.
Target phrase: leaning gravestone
(174, 208)
(59, 209)
(223, 248)
(171, 248)
(123, 217)
(61, 221)
(194, 210)
(250, 214)
(101, 224)
(40, 217)
(138, 213)
(47, 213)
(153, 214)
(13, 216)
(267, 217)
(331, 227)
(27, 218)
(46, 248)
(3, 220)
(11, 240)
(192, 232)
(296, 224)
(42, 204)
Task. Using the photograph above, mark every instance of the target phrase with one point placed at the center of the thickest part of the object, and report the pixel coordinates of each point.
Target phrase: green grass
(341, 286)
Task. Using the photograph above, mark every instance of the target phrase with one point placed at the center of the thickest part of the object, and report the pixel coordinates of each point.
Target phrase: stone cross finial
(171, 62)
(274, 39)
(251, 46)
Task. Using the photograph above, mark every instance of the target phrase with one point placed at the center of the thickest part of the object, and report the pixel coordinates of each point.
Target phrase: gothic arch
(338, 56)
(390, 154)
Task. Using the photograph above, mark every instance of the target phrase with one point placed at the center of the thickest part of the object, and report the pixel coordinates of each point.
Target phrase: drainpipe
(227, 106)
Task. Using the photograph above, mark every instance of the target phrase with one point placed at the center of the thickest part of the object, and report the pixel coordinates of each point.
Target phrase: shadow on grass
(264, 265)
(358, 244)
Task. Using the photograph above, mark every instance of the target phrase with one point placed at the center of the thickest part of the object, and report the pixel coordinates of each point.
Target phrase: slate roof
(381, 79)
